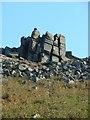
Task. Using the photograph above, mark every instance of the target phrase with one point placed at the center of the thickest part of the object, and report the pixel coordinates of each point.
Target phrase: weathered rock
(7, 51)
(5, 96)
(47, 48)
(35, 47)
(62, 40)
(23, 81)
(30, 69)
(36, 116)
(13, 72)
(23, 51)
(35, 33)
(33, 78)
(65, 67)
(20, 74)
(49, 36)
(34, 87)
(6, 72)
(67, 73)
(55, 59)
(71, 82)
(22, 67)
(45, 59)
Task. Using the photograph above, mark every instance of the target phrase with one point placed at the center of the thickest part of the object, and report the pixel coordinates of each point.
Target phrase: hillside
(44, 99)
(62, 94)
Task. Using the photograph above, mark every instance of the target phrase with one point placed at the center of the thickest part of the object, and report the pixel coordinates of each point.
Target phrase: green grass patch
(51, 99)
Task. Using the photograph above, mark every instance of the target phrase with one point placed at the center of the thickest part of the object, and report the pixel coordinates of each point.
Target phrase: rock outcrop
(43, 57)
(48, 48)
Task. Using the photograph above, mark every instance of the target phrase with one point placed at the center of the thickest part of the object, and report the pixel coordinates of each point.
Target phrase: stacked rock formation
(43, 49)
(46, 49)
(35, 47)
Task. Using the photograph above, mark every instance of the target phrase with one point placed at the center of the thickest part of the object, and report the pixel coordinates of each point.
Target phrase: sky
(67, 18)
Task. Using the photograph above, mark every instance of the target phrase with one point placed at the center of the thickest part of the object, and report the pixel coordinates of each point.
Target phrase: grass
(51, 99)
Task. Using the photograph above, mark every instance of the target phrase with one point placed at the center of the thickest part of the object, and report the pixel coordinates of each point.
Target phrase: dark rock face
(23, 52)
(43, 49)
(10, 52)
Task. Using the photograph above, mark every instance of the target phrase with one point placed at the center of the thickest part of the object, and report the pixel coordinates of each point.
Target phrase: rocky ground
(71, 70)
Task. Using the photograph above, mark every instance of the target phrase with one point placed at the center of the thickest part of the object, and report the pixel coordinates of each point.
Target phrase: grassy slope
(52, 99)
